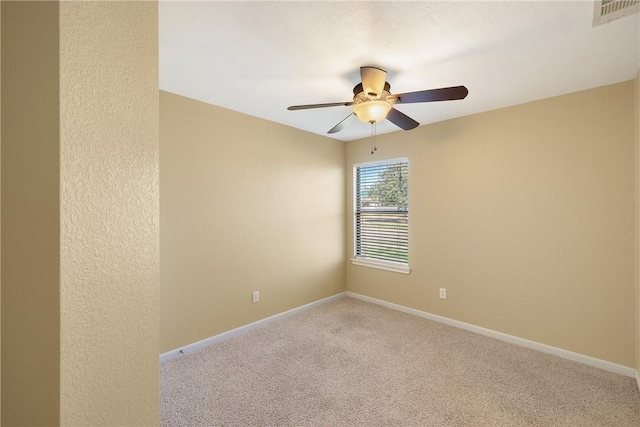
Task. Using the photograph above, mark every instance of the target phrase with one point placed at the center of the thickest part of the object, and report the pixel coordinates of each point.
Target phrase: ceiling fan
(372, 100)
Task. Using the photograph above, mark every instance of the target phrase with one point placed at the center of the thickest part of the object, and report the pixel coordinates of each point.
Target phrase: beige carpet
(351, 363)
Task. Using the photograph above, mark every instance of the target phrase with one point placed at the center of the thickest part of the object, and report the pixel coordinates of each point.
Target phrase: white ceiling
(258, 58)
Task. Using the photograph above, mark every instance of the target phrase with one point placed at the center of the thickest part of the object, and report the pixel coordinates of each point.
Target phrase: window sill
(382, 265)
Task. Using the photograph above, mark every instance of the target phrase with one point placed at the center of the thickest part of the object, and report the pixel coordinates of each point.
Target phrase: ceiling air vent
(607, 10)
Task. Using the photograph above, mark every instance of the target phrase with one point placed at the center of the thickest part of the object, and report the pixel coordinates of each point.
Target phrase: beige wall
(526, 216)
(637, 234)
(30, 214)
(245, 205)
(109, 213)
(0, 218)
(80, 275)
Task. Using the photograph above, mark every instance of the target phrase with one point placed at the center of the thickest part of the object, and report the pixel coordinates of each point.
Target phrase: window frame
(395, 266)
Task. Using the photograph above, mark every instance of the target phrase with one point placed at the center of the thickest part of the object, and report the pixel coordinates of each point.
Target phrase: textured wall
(0, 218)
(246, 205)
(526, 216)
(30, 214)
(637, 282)
(109, 213)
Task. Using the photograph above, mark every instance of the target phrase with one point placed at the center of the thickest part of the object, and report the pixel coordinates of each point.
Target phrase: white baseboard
(638, 378)
(566, 354)
(190, 348)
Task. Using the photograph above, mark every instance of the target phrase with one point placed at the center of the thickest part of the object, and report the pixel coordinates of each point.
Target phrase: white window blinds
(382, 211)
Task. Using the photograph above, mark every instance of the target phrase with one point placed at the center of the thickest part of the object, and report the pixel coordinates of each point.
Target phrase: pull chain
(374, 138)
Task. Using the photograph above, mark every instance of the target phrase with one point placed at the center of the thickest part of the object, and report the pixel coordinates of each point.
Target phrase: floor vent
(607, 10)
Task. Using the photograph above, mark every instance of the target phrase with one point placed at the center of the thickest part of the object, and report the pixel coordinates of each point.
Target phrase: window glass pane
(382, 211)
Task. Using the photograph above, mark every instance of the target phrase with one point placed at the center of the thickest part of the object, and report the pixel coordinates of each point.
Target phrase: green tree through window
(391, 187)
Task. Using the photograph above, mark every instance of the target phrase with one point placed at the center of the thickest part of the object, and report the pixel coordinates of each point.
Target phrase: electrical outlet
(256, 296)
(443, 293)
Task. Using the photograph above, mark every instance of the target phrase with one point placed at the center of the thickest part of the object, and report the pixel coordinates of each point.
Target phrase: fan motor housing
(358, 89)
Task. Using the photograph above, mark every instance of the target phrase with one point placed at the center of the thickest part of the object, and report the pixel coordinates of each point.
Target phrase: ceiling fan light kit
(373, 102)
(372, 111)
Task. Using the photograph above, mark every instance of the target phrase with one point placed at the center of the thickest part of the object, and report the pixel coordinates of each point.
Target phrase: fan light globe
(372, 111)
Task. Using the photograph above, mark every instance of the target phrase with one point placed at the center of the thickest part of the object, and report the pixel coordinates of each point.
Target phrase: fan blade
(333, 104)
(401, 120)
(343, 124)
(373, 80)
(431, 95)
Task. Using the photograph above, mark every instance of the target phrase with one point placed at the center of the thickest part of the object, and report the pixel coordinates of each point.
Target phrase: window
(381, 223)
